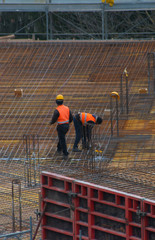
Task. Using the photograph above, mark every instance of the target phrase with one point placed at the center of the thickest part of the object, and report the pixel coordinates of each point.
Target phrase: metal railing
(18, 234)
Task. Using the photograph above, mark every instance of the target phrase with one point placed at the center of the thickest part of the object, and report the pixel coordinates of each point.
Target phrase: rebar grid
(85, 73)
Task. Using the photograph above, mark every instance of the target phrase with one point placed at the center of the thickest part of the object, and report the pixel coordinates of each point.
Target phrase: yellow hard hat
(115, 94)
(59, 97)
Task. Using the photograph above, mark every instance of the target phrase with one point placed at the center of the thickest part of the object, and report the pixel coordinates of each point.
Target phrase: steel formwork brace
(41, 217)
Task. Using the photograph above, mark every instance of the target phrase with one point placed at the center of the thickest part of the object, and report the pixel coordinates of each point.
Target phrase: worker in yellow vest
(63, 116)
(83, 123)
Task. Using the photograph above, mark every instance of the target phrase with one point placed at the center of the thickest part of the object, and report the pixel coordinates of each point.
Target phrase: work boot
(75, 149)
(65, 155)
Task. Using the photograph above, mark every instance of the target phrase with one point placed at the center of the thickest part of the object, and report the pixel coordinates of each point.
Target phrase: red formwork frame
(77, 210)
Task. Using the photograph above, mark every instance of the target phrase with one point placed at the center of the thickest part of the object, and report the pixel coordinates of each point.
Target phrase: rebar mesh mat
(85, 72)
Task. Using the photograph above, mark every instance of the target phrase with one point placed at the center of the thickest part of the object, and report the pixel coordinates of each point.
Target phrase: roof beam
(76, 6)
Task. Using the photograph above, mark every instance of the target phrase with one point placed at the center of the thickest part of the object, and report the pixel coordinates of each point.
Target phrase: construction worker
(83, 123)
(63, 116)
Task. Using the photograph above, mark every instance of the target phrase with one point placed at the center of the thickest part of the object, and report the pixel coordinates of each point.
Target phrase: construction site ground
(122, 150)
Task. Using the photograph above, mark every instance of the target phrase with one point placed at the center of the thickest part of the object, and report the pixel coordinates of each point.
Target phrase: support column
(47, 23)
(106, 25)
(103, 23)
(50, 25)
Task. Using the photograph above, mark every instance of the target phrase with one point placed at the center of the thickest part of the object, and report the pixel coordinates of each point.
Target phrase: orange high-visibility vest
(63, 114)
(85, 117)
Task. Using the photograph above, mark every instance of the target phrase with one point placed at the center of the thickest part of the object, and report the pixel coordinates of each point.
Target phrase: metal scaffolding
(85, 19)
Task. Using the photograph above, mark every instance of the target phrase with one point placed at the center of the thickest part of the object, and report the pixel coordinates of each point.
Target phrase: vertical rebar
(38, 161)
(13, 210)
(34, 159)
(16, 181)
(148, 72)
(31, 163)
(91, 145)
(29, 160)
(25, 147)
(40, 199)
(20, 209)
(30, 228)
(117, 116)
(27, 177)
(154, 72)
(127, 104)
(111, 116)
(121, 93)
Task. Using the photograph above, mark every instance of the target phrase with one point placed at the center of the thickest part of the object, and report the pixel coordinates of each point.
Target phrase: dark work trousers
(83, 132)
(78, 131)
(62, 130)
(87, 132)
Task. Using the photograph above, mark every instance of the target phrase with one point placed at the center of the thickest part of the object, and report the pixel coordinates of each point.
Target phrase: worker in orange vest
(83, 123)
(63, 116)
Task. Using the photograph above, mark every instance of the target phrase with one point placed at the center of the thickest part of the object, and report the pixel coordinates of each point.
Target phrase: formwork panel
(58, 218)
(79, 210)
